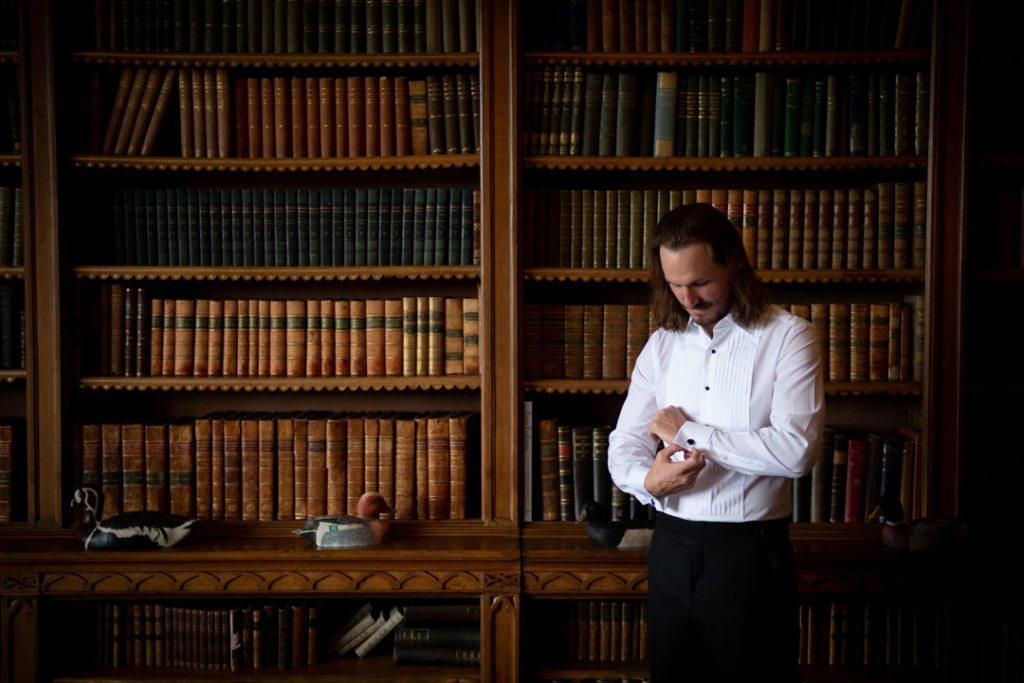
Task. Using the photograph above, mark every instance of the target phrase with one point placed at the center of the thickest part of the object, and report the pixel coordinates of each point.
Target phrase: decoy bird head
(593, 512)
(90, 499)
(371, 504)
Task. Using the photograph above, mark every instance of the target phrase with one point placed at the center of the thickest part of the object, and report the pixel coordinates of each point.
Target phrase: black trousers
(722, 602)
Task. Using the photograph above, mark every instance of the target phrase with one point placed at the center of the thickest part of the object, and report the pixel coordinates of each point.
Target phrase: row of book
(287, 26)
(860, 478)
(875, 634)
(291, 466)
(423, 634)
(729, 26)
(575, 111)
(594, 631)
(12, 327)
(408, 337)
(10, 133)
(11, 458)
(317, 227)
(12, 227)
(880, 226)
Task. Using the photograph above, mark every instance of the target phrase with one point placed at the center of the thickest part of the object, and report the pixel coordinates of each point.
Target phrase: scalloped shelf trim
(424, 162)
(9, 57)
(718, 164)
(10, 159)
(278, 274)
(275, 60)
(729, 58)
(773, 276)
(602, 386)
(282, 384)
(12, 272)
(11, 376)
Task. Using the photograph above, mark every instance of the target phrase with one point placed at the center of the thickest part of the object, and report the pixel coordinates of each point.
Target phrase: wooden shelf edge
(12, 272)
(808, 58)
(724, 164)
(617, 386)
(10, 159)
(770, 276)
(9, 57)
(424, 162)
(12, 375)
(268, 274)
(235, 59)
(282, 384)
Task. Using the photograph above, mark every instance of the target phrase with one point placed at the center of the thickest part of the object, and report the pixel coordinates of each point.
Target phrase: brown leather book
(159, 113)
(402, 126)
(859, 342)
(133, 460)
(340, 118)
(312, 100)
(267, 467)
(316, 468)
(471, 336)
(201, 338)
(167, 345)
(453, 364)
(112, 469)
(422, 460)
(613, 346)
(124, 87)
(355, 465)
(435, 336)
(299, 634)
(450, 106)
(371, 454)
(342, 339)
(250, 467)
(204, 468)
(131, 110)
(156, 336)
(819, 319)
(572, 342)
(435, 109)
(878, 354)
(184, 336)
(386, 116)
(312, 338)
(242, 336)
(457, 435)
(356, 116)
(181, 469)
(357, 338)
(593, 330)
(229, 353)
(282, 126)
(210, 112)
(253, 124)
(839, 342)
(222, 104)
(854, 228)
(826, 209)
(393, 337)
(217, 466)
(422, 337)
(372, 116)
(637, 324)
(327, 124)
(386, 463)
(405, 468)
(285, 468)
(266, 352)
(291, 336)
(548, 465)
(300, 442)
(297, 99)
(240, 117)
(198, 113)
(375, 362)
(439, 464)
(215, 339)
(418, 118)
(156, 467)
(185, 113)
(267, 121)
(326, 311)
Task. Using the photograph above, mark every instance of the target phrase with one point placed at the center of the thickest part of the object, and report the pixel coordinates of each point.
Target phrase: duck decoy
(349, 531)
(127, 531)
(602, 530)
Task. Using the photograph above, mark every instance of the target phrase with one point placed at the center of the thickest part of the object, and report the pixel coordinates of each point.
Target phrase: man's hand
(666, 423)
(666, 477)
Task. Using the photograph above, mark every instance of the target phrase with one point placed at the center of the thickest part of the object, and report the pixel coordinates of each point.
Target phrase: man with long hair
(725, 407)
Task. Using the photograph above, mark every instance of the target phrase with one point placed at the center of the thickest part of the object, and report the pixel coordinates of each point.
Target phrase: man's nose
(688, 298)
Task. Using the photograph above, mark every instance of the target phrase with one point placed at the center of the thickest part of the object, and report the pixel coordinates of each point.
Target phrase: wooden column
(19, 628)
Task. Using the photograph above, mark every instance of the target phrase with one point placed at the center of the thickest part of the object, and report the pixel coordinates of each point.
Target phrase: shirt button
(690, 442)
(712, 350)
(707, 388)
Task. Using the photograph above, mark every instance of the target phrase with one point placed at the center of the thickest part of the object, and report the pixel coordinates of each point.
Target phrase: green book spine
(762, 113)
(349, 228)
(692, 116)
(361, 228)
(575, 111)
(210, 32)
(872, 115)
(792, 144)
(743, 116)
(714, 116)
(373, 227)
(832, 116)
(625, 130)
(232, 202)
(429, 227)
(337, 228)
(342, 33)
(591, 114)
(644, 145)
(389, 26)
(205, 237)
(554, 119)
(326, 229)
(682, 25)
(441, 230)
(182, 197)
(385, 231)
(806, 117)
(172, 229)
(278, 253)
(454, 227)
(611, 229)
(703, 115)
(820, 117)
(778, 117)
(357, 27)
(399, 235)
(432, 23)
(267, 25)
(374, 27)
(280, 26)
(622, 230)
(450, 25)
(192, 207)
(609, 111)
(250, 26)
(665, 114)
(419, 224)
(216, 229)
(268, 238)
(419, 26)
(404, 27)
(297, 208)
(312, 230)
(309, 28)
(858, 115)
(886, 114)
(248, 245)
(162, 242)
(467, 25)
(728, 111)
(466, 251)
(636, 228)
(229, 25)
(221, 205)
(602, 479)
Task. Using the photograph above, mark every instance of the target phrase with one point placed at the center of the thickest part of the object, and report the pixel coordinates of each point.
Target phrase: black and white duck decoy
(349, 531)
(127, 531)
(635, 533)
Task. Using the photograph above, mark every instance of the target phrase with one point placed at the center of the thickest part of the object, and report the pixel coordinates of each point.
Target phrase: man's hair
(696, 224)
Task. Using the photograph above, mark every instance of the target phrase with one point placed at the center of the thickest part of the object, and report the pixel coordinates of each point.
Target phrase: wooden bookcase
(522, 573)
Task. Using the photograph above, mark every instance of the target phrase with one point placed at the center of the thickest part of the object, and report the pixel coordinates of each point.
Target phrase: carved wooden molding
(871, 275)
(585, 582)
(227, 59)
(726, 164)
(12, 272)
(10, 159)
(423, 161)
(221, 582)
(865, 57)
(19, 584)
(273, 274)
(281, 384)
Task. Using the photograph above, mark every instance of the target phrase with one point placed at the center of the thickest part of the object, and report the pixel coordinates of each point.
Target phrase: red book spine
(298, 108)
(356, 116)
(327, 125)
(403, 133)
(312, 117)
(372, 113)
(751, 25)
(253, 125)
(856, 463)
(387, 116)
(241, 119)
(340, 117)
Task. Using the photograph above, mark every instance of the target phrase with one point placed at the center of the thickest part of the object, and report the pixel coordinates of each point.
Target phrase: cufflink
(690, 442)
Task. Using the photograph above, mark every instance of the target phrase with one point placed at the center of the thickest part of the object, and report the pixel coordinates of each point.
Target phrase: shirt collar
(721, 327)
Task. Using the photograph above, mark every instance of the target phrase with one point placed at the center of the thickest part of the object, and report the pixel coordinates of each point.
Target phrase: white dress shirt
(755, 402)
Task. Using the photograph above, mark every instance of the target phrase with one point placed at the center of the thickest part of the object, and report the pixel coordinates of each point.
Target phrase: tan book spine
(254, 340)
(613, 347)
(386, 463)
(131, 111)
(326, 313)
(215, 340)
(229, 354)
(453, 363)
(794, 258)
(340, 117)
(854, 228)
(267, 468)
(282, 126)
(269, 357)
(372, 116)
(254, 126)
(637, 322)
(250, 439)
(156, 468)
(809, 237)
(312, 86)
(893, 341)
(422, 460)
(357, 337)
(310, 340)
(201, 338)
(439, 463)
(210, 112)
(572, 342)
(355, 470)
(869, 229)
(342, 339)
(780, 229)
(839, 342)
(393, 337)
(405, 468)
(375, 337)
(204, 469)
(422, 337)
(288, 338)
(386, 116)
(181, 469)
(839, 220)
(471, 336)
(860, 318)
(593, 325)
(327, 124)
(222, 99)
(418, 117)
(826, 206)
(156, 337)
(763, 253)
(820, 321)
(242, 336)
(285, 468)
(199, 113)
(168, 349)
(435, 336)
(878, 367)
(184, 337)
(267, 119)
(217, 467)
(371, 455)
(297, 97)
(409, 336)
(300, 442)
(232, 468)
(316, 474)
(124, 87)
(144, 112)
(457, 434)
(403, 138)
(133, 468)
